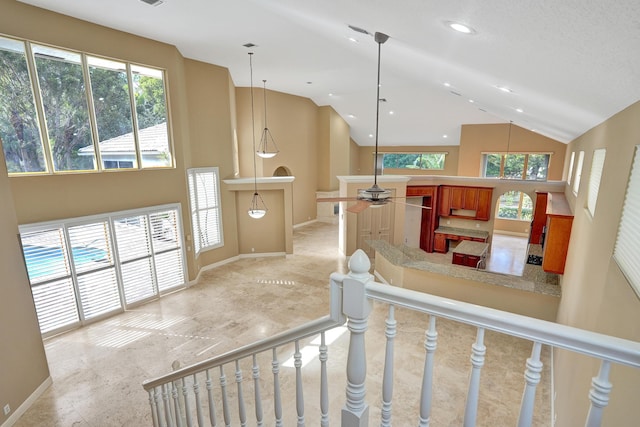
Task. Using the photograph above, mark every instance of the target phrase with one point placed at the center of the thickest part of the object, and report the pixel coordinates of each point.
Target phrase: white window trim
(570, 173)
(197, 206)
(597, 164)
(578, 177)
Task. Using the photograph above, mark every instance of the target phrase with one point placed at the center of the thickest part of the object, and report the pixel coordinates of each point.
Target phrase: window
(529, 166)
(570, 174)
(594, 179)
(85, 268)
(628, 240)
(422, 161)
(576, 181)
(515, 205)
(204, 199)
(83, 108)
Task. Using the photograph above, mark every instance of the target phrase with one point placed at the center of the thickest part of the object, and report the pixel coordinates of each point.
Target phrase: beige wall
(23, 366)
(595, 294)
(450, 165)
(293, 122)
(334, 149)
(494, 138)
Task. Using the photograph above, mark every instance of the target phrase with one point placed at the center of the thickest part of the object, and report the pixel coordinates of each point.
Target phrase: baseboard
(27, 403)
(262, 255)
(211, 267)
(302, 224)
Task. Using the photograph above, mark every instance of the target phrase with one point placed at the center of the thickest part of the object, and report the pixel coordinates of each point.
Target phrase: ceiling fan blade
(336, 199)
(358, 207)
(428, 208)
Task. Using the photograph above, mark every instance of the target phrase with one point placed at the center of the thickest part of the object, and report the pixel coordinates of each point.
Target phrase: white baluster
(241, 410)
(196, 395)
(387, 379)
(599, 395)
(225, 400)
(532, 378)
(297, 362)
(356, 307)
(477, 361)
(177, 409)
(158, 399)
(277, 398)
(212, 408)
(426, 392)
(167, 404)
(324, 383)
(187, 409)
(256, 386)
(154, 415)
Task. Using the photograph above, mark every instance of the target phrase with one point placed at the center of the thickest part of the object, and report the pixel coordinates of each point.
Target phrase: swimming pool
(44, 261)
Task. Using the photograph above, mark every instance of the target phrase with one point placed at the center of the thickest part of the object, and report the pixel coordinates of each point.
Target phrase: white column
(356, 307)
(532, 378)
(599, 395)
(426, 391)
(477, 361)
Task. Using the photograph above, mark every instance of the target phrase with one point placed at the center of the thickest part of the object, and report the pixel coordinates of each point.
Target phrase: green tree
(150, 101)
(19, 132)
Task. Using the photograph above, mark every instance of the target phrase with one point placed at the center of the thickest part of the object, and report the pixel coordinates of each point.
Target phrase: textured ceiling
(570, 63)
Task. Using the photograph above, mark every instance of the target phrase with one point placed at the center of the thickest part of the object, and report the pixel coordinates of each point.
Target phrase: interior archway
(282, 171)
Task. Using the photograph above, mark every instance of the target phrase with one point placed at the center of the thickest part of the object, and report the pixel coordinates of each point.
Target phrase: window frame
(420, 154)
(520, 205)
(503, 156)
(578, 176)
(597, 166)
(137, 154)
(197, 206)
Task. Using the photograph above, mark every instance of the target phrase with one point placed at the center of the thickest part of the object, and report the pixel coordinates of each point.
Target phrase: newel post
(356, 307)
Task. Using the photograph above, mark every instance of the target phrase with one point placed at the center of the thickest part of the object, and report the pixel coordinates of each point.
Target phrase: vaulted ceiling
(555, 67)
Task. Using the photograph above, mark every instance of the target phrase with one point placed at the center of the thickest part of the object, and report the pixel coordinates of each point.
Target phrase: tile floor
(98, 370)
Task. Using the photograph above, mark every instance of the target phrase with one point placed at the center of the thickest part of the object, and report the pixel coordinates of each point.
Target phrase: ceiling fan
(374, 195)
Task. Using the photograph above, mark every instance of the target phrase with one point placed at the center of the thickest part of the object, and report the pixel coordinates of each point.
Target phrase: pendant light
(267, 148)
(258, 209)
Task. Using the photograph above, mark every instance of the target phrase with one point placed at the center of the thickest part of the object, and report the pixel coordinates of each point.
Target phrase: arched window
(515, 205)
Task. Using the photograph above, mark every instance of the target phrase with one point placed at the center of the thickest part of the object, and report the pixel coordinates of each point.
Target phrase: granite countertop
(533, 279)
(467, 232)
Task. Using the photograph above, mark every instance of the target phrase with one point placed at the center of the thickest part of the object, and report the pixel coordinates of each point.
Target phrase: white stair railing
(175, 398)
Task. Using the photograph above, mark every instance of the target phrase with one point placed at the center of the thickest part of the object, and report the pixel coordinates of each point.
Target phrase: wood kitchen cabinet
(483, 211)
(440, 243)
(474, 201)
(429, 219)
(557, 233)
(539, 218)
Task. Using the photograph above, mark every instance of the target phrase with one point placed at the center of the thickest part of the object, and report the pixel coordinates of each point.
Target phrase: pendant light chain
(253, 128)
(375, 174)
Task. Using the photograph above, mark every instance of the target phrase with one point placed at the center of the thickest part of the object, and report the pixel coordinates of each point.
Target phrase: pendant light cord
(264, 92)
(253, 128)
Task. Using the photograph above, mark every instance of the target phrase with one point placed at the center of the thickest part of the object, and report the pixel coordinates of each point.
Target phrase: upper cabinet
(465, 202)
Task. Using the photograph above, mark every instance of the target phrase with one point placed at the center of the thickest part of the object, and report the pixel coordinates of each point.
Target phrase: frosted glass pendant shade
(257, 209)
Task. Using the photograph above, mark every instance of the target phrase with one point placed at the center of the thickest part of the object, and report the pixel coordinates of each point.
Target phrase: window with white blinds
(576, 182)
(570, 174)
(85, 268)
(597, 164)
(628, 241)
(204, 199)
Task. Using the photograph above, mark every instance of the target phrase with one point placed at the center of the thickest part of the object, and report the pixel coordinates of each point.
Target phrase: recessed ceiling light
(351, 116)
(504, 89)
(370, 135)
(447, 84)
(391, 113)
(460, 27)
(445, 136)
(519, 110)
(330, 94)
(471, 101)
(353, 39)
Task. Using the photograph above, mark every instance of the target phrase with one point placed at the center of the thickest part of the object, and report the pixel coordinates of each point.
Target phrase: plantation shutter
(167, 249)
(204, 200)
(95, 270)
(46, 257)
(134, 251)
(627, 249)
(597, 165)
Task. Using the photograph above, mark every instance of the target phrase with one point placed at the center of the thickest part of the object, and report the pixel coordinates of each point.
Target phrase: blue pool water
(42, 261)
